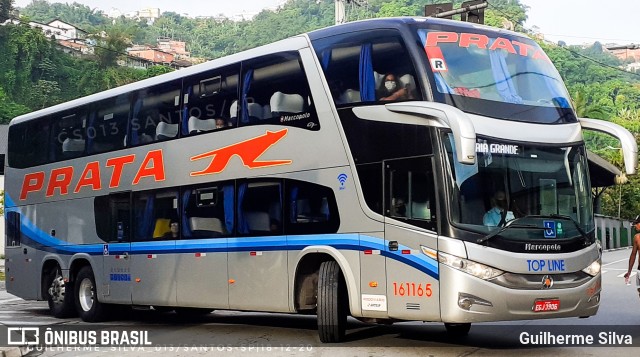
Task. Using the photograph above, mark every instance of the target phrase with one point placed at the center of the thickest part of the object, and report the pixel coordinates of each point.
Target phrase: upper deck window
(367, 66)
(275, 90)
(495, 74)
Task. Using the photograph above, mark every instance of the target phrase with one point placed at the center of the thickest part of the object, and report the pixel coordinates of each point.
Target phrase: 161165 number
(412, 289)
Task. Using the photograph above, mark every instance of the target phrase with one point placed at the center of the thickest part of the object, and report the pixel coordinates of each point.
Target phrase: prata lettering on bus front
(59, 180)
(546, 265)
(435, 38)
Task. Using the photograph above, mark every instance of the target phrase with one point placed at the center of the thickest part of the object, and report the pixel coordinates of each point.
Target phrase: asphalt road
(248, 333)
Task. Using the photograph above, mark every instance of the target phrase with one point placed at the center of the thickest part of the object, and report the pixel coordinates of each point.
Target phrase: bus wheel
(457, 330)
(59, 294)
(87, 304)
(332, 303)
(192, 311)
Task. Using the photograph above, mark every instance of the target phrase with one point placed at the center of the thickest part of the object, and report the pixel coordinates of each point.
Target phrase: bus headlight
(593, 269)
(468, 266)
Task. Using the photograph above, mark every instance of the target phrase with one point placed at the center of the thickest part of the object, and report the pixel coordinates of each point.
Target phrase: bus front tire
(87, 304)
(332, 303)
(457, 330)
(59, 294)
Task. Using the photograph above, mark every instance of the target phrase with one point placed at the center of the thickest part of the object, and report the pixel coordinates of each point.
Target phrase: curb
(615, 249)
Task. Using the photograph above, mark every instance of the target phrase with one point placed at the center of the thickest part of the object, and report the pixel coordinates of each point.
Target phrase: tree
(6, 8)
(111, 45)
(1, 202)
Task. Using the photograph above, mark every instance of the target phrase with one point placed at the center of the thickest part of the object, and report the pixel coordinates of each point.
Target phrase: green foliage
(79, 15)
(10, 109)
(1, 202)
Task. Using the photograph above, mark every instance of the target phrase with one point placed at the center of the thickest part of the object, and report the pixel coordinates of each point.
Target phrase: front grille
(534, 281)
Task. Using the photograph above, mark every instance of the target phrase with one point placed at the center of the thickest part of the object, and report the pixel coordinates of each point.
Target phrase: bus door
(116, 253)
(21, 266)
(411, 239)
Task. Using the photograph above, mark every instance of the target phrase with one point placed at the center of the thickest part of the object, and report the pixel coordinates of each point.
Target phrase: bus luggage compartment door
(412, 276)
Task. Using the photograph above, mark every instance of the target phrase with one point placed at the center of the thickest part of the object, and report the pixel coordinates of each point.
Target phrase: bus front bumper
(470, 299)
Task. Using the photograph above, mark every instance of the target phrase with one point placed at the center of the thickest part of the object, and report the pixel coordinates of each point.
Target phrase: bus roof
(398, 22)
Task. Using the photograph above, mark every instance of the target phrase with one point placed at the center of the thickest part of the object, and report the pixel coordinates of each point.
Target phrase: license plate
(546, 305)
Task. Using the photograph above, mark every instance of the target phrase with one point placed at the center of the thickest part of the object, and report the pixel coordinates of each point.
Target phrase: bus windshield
(536, 187)
(495, 74)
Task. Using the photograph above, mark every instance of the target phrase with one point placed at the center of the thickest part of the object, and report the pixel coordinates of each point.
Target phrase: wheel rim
(85, 294)
(57, 290)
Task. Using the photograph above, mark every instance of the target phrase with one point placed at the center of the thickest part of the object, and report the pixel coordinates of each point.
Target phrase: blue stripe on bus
(33, 236)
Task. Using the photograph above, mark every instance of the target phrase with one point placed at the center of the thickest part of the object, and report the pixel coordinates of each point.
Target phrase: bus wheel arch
(307, 269)
(57, 291)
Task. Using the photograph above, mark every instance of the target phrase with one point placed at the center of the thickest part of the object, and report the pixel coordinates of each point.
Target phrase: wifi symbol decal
(342, 178)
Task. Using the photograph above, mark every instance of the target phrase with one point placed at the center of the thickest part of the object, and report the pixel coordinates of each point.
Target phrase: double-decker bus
(389, 169)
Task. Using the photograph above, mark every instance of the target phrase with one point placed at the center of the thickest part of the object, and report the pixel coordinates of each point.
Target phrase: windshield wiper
(510, 225)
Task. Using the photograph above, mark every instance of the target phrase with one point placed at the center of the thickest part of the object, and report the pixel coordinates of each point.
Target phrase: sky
(585, 21)
(573, 21)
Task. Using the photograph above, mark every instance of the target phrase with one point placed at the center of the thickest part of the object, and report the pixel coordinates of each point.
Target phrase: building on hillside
(60, 30)
(178, 48)
(150, 15)
(153, 55)
(134, 62)
(626, 53)
(76, 48)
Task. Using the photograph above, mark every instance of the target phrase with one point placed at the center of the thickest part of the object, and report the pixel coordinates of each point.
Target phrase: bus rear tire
(87, 304)
(332, 303)
(59, 294)
(457, 330)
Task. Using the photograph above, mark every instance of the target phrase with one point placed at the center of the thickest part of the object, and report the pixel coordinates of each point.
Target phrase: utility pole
(340, 8)
(340, 12)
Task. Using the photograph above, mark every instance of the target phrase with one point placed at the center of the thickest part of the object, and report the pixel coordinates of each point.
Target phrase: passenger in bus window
(398, 207)
(174, 231)
(221, 123)
(499, 214)
(392, 89)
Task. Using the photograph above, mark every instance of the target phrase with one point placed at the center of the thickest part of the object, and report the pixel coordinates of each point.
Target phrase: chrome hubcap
(85, 294)
(57, 289)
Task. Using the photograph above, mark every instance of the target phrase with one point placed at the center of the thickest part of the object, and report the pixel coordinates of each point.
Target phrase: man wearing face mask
(391, 89)
(498, 216)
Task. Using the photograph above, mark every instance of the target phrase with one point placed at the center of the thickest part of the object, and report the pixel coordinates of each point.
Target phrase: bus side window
(29, 143)
(69, 131)
(275, 90)
(208, 212)
(154, 213)
(207, 100)
(410, 192)
(107, 126)
(311, 208)
(356, 64)
(260, 208)
(156, 113)
(12, 220)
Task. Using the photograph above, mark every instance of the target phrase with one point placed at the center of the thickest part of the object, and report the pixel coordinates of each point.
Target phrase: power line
(575, 53)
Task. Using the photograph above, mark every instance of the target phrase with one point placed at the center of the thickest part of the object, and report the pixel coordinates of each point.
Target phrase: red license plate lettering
(546, 305)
